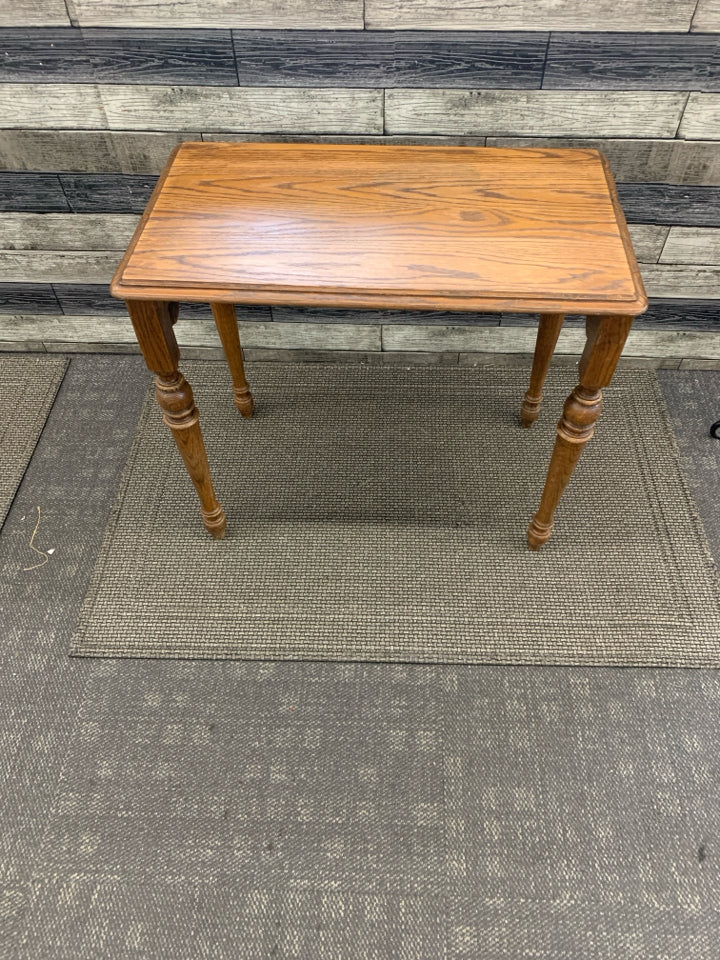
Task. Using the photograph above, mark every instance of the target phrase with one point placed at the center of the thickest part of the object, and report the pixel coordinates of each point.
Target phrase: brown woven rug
(27, 390)
(379, 513)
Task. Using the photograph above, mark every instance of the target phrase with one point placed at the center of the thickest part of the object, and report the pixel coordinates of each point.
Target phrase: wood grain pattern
(28, 298)
(103, 193)
(14, 13)
(701, 119)
(631, 61)
(642, 15)
(88, 151)
(276, 109)
(389, 58)
(260, 14)
(58, 106)
(452, 228)
(57, 231)
(117, 56)
(542, 112)
(692, 245)
(31, 192)
(46, 266)
(689, 162)
(707, 17)
(668, 280)
(664, 203)
(648, 240)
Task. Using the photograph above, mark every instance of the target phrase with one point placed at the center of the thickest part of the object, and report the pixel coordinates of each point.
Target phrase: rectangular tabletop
(457, 228)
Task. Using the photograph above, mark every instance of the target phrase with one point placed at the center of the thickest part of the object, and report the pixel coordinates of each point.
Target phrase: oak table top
(404, 227)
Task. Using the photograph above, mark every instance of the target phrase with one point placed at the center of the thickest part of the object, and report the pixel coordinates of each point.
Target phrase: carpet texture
(27, 389)
(380, 514)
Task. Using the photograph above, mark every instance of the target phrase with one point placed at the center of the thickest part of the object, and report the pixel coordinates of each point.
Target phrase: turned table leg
(547, 337)
(227, 325)
(606, 338)
(153, 323)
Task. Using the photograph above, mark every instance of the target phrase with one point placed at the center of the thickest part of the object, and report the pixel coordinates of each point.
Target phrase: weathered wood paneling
(58, 106)
(321, 315)
(31, 191)
(48, 266)
(117, 56)
(628, 61)
(682, 281)
(107, 193)
(389, 59)
(258, 14)
(56, 231)
(94, 299)
(88, 151)
(707, 17)
(277, 109)
(670, 204)
(602, 15)
(692, 245)
(28, 298)
(701, 119)
(20, 13)
(648, 240)
(653, 161)
(541, 112)
(681, 314)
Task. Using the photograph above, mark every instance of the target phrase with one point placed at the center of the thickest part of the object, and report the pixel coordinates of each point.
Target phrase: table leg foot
(538, 533)
(215, 521)
(227, 326)
(547, 337)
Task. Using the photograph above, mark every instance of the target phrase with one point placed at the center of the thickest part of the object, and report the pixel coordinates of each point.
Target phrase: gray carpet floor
(328, 810)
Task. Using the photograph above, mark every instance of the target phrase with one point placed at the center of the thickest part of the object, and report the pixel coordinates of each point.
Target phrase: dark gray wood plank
(681, 315)
(39, 192)
(632, 61)
(71, 55)
(28, 298)
(107, 193)
(83, 299)
(323, 58)
(646, 15)
(668, 203)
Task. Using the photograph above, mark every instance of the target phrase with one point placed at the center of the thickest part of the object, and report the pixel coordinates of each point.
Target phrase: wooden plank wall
(95, 93)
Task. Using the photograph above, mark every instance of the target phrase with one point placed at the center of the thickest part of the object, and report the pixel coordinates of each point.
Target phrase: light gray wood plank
(707, 17)
(692, 364)
(699, 245)
(33, 13)
(260, 109)
(258, 14)
(602, 15)
(88, 151)
(59, 106)
(684, 282)
(648, 240)
(641, 343)
(701, 119)
(265, 354)
(641, 161)
(66, 231)
(539, 112)
(48, 266)
(21, 346)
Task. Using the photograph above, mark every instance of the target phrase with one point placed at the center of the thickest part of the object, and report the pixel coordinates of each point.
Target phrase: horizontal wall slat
(106, 193)
(117, 56)
(32, 192)
(670, 204)
(692, 245)
(632, 61)
(707, 16)
(541, 112)
(267, 14)
(56, 231)
(14, 13)
(390, 59)
(88, 151)
(648, 15)
(682, 280)
(28, 298)
(648, 240)
(31, 266)
(701, 119)
(641, 160)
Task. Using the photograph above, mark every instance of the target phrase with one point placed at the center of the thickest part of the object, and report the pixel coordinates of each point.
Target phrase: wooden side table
(401, 227)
